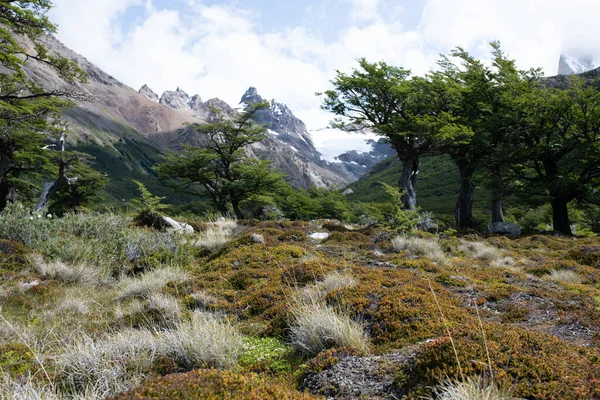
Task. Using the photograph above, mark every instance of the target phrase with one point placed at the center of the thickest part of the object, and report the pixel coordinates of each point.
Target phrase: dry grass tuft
(319, 327)
(564, 275)
(218, 234)
(422, 247)
(472, 389)
(57, 270)
(150, 282)
(331, 282)
(480, 250)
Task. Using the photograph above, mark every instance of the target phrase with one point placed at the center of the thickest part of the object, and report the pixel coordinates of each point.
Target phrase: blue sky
(290, 49)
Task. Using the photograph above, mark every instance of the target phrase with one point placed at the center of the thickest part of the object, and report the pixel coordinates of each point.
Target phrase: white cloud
(221, 50)
(365, 10)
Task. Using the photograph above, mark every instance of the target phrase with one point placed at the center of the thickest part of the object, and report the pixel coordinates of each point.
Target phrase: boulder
(173, 226)
(504, 228)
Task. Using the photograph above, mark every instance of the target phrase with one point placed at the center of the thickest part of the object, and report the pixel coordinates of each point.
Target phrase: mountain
(568, 65)
(128, 130)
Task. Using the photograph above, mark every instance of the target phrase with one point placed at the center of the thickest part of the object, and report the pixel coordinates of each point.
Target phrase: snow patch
(272, 132)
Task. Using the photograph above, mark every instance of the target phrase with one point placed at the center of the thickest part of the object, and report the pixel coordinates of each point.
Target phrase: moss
(515, 313)
(292, 235)
(12, 257)
(538, 365)
(586, 254)
(213, 385)
(328, 358)
(16, 359)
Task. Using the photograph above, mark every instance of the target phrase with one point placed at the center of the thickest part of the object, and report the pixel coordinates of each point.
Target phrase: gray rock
(347, 192)
(504, 228)
(179, 100)
(173, 226)
(364, 377)
(149, 93)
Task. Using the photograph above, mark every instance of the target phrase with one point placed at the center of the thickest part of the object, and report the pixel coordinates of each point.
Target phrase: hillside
(293, 310)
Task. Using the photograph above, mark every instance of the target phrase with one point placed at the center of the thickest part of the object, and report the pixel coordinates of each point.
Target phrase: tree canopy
(221, 169)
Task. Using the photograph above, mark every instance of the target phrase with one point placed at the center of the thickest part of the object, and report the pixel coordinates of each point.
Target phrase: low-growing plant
(564, 275)
(150, 282)
(423, 247)
(318, 327)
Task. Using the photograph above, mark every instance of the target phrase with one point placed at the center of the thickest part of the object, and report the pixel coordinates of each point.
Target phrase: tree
(559, 155)
(487, 106)
(220, 169)
(28, 112)
(412, 114)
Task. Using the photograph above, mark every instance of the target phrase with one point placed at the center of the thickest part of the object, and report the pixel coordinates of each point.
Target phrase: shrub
(422, 247)
(318, 327)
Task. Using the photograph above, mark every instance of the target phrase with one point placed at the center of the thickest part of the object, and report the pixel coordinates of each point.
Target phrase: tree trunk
(50, 188)
(236, 209)
(5, 163)
(560, 215)
(464, 204)
(408, 181)
(8, 194)
(497, 214)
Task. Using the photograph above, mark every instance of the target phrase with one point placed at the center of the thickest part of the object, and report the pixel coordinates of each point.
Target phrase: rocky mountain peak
(251, 96)
(178, 99)
(149, 93)
(569, 65)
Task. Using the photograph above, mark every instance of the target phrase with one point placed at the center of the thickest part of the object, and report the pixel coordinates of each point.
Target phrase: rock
(178, 99)
(319, 235)
(363, 377)
(258, 238)
(347, 192)
(173, 226)
(504, 228)
(149, 93)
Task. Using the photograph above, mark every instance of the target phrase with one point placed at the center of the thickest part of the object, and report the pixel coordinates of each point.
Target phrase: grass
(318, 327)
(217, 234)
(150, 282)
(472, 388)
(480, 250)
(564, 275)
(423, 247)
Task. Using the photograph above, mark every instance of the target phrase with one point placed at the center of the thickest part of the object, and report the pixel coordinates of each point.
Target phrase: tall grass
(422, 247)
(217, 234)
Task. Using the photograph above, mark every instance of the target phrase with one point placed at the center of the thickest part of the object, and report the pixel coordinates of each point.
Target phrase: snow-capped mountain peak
(569, 65)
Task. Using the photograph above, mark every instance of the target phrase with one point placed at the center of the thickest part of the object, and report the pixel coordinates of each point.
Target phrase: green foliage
(148, 207)
(81, 193)
(220, 169)
(267, 353)
(400, 220)
(313, 203)
(28, 113)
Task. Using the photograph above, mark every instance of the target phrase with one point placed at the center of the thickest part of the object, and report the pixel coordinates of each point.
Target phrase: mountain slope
(129, 129)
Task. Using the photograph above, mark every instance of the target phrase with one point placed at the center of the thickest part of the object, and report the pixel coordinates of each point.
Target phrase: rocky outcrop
(575, 65)
(149, 93)
(504, 228)
(179, 100)
(364, 377)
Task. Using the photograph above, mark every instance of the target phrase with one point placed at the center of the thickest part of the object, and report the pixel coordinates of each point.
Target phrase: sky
(291, 49)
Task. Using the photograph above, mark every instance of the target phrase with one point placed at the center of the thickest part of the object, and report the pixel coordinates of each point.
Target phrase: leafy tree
(83, 191)
(486, 106)
(559, 151)
(28, 112)
(411, 113)
(221, 169)
(148, 207)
